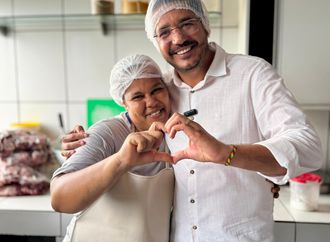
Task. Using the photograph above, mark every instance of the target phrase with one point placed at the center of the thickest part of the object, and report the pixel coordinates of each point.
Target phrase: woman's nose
(150, 101)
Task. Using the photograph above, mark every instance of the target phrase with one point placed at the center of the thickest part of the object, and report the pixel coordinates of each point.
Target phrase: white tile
(5, 8)
(90, 57)
(320, 121)
(230, 40)
(216, 36)
(136, 42)
(37, 7)
(230, 12)
(77, 7)
(46, 114)
(41, 66)
(7, 69)
(78, 115)
(8, 114)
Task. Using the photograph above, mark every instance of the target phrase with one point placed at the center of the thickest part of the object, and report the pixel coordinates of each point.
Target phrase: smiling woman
(112, 179)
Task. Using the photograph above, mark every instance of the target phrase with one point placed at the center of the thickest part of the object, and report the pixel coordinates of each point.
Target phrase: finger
(67, 154)
(163, 156)
(143, 141)
(275, 189)
(276, 195)
(73, 137)
(78, 129)
(157, 126)
(179, 156)
(72, 145)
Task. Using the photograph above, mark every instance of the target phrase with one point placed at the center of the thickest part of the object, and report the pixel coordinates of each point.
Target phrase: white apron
(136, 209)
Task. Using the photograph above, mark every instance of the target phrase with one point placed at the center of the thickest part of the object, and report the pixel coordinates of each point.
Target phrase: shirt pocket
(254, 229)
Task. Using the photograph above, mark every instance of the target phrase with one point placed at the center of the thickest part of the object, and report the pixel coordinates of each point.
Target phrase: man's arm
(205, 148)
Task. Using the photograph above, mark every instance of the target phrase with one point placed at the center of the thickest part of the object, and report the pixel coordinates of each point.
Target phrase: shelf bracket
(4, 30)
(105, 28)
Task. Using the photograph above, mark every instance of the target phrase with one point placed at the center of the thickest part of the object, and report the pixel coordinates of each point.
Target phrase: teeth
(154, 114)
(181, 52)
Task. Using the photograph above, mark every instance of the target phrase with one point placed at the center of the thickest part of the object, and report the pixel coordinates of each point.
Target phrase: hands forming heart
(201, 147)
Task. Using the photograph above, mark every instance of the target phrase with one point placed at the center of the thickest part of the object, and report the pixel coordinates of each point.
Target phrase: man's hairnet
(129, 69)
(157, 8)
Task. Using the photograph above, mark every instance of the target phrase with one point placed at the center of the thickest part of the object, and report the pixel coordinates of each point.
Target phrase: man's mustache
(179, 46)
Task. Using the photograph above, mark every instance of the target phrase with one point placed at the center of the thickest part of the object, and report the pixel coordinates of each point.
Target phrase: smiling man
(248, 128)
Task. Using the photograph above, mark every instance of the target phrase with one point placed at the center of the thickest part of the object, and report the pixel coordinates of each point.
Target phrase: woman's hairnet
(129, 69)
(157, 8)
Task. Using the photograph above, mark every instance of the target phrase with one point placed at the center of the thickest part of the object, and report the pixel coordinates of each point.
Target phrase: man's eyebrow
(180, 21)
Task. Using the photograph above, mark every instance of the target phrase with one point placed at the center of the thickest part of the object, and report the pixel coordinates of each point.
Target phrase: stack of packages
(23, 154)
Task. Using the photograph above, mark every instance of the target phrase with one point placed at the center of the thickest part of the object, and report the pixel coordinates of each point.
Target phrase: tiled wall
(54, 68)
(50, 67)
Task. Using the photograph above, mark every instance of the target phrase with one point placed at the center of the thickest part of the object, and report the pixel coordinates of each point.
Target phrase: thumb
(163, 156)
(181, 154)
(157, 126)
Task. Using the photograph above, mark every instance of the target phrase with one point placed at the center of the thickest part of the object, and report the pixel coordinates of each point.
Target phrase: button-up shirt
(242, 100)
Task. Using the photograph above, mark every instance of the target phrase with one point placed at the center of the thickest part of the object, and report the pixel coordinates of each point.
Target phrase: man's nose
(177, 36)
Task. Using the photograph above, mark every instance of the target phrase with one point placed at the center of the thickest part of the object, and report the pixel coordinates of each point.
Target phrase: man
(248, 128)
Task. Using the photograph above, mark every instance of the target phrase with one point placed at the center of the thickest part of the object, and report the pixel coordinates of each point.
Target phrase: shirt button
(192, 200)
(192, 91)
(194, 227)
(192, 171)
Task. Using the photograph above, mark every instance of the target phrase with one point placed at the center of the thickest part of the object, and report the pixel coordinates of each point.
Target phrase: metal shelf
(106, 22)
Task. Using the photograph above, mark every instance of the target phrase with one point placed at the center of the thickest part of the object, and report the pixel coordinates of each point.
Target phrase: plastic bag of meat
(21, 140)
(30, 158)
(21, 180)
(20, 190)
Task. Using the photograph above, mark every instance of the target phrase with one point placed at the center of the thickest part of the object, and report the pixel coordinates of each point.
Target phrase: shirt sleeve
(99, 144)
(286, 131)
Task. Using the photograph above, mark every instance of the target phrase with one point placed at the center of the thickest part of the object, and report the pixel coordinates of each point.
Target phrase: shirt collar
(217, 67)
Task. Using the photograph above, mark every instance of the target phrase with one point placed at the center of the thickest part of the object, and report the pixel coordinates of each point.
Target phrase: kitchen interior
(55, 61)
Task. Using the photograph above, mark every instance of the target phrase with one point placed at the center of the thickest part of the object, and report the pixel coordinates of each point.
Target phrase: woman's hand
(72, 141)
(141, 148)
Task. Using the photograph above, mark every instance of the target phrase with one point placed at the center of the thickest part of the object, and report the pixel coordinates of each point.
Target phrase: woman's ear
(125, 105)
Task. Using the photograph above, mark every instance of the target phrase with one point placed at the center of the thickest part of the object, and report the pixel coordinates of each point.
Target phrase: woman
(115, 180)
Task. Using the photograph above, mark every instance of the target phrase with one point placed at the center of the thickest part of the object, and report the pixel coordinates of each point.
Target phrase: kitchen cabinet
(306, 232)
(284, 232)
(18, 216)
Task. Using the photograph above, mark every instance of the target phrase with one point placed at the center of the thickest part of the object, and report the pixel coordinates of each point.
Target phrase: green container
(98, 109)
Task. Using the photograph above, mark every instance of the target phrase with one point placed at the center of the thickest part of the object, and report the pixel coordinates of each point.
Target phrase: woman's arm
(73, 192)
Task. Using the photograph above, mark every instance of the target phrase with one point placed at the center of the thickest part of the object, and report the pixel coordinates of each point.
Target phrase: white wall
(52, 65)
(302, 58)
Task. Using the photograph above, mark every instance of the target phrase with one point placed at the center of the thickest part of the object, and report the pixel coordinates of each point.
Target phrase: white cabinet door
(313, 232)
(284, 232)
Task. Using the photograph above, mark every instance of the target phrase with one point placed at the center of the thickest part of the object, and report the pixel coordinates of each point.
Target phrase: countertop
(285, 213)
(33, 215)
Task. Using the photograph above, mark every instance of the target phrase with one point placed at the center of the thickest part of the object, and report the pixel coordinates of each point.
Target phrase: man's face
(184, 50)
(147, 100)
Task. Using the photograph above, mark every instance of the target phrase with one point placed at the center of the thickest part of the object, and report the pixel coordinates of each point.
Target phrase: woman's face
(147, 100)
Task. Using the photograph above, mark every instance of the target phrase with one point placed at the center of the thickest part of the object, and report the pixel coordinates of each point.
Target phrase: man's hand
(72, 141)
(201, 147)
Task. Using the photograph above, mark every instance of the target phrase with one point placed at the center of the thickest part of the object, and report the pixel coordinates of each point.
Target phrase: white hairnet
(157, 8)
(127, 70)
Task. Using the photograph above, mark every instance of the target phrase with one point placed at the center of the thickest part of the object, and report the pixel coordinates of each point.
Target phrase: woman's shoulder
(113, 125)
